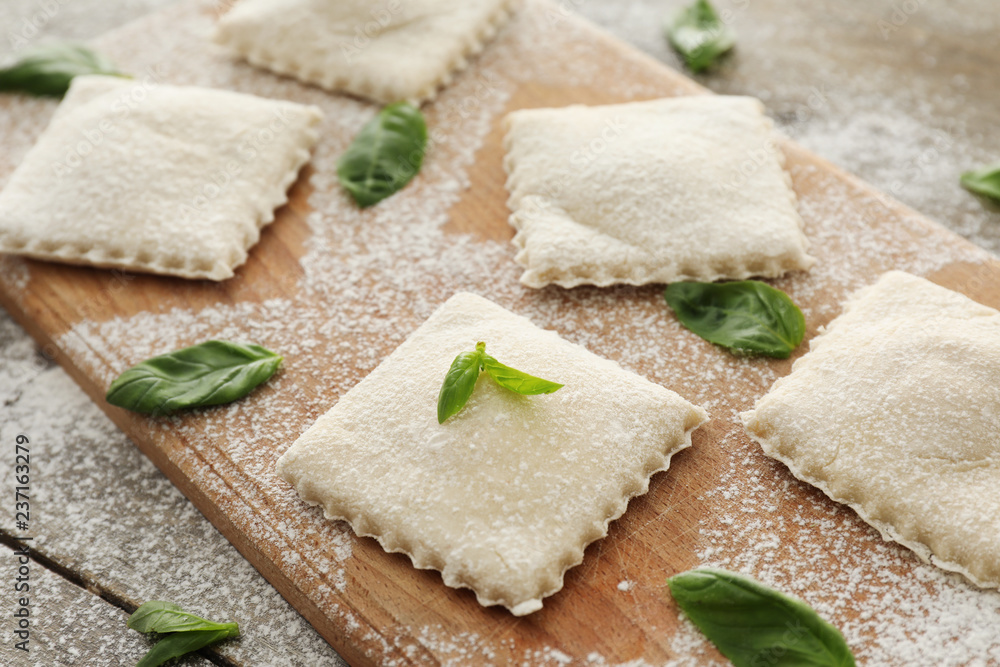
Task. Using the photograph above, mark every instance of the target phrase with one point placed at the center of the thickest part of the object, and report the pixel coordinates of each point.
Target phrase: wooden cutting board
(336, 290)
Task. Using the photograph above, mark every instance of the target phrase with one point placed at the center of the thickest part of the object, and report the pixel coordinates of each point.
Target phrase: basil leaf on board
(753, 625)
(459, 382)
(515, 380)
(209, 373)
(385, 155)
(985, 181)
(747, 317)
(700, 36)
(48, 70)
(181, 643)
(164, 617)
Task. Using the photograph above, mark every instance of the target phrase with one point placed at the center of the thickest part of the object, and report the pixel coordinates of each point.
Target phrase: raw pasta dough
(157, 178)
(385, 51)
(503, 497)
(895, 411)
(688, 188)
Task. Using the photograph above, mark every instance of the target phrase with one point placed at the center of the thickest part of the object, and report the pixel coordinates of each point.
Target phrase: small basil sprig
(985, 181)
(747, 317)
(753, 625)
(209, 373)
(184, 631)
(461, 378)
(48, 70)
(700, 36)
(385, 155)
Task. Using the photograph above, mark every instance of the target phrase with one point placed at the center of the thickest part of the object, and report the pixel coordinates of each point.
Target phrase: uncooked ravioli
(386, 51)
(895, 411)
(503, 497)
(687, 188)
(149, 177)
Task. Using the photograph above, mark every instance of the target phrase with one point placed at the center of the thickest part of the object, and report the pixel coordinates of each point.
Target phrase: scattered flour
(92, 488)
(370, 277)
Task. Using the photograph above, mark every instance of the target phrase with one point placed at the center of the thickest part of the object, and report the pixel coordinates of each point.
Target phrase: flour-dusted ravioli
(895, 411)
(504, 496)
(157, 178)
(688, 188)
(387, 51)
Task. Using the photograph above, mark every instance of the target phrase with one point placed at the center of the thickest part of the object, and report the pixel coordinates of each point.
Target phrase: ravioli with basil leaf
(504, 497)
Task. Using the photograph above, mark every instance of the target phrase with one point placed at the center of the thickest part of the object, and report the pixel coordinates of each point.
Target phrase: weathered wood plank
(69, 625)
(103, 511)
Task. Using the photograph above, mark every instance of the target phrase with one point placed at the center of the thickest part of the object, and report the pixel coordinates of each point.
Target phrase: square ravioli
(688, 188)
(386, 51)
(895, 412)
(503, 497)
(156, 178)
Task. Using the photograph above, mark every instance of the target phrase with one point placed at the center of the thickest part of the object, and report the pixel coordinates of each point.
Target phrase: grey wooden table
(903, 93)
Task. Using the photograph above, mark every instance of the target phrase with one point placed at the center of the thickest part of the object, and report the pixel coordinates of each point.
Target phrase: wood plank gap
(94, 588)
(194, 494)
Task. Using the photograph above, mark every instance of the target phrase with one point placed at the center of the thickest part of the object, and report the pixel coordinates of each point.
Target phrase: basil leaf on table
(181, 643)
(385, 155)
(747, 317)
(163, 617)
(753, 625)
(48, 70)
(461, 378)
(209, 373)
(985, 181)
(699, 36)
(515, 380)
(184, 632)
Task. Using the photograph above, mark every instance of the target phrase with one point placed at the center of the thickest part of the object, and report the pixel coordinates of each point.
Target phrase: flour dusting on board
(890, 608)
(94, 504)
(371, 277)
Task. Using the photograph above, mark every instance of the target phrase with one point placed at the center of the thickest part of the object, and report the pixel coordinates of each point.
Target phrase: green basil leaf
(385, 155)
(164, 617)
(181, 643)
(515, 380)
(700, 36)
(461, 379)
(48, 70)
(748, 317)
(459, 382)
(754, 625)
(985, 181)
(209, 373)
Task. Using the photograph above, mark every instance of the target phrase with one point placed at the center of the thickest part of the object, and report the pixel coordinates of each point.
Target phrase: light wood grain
(373, 607)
